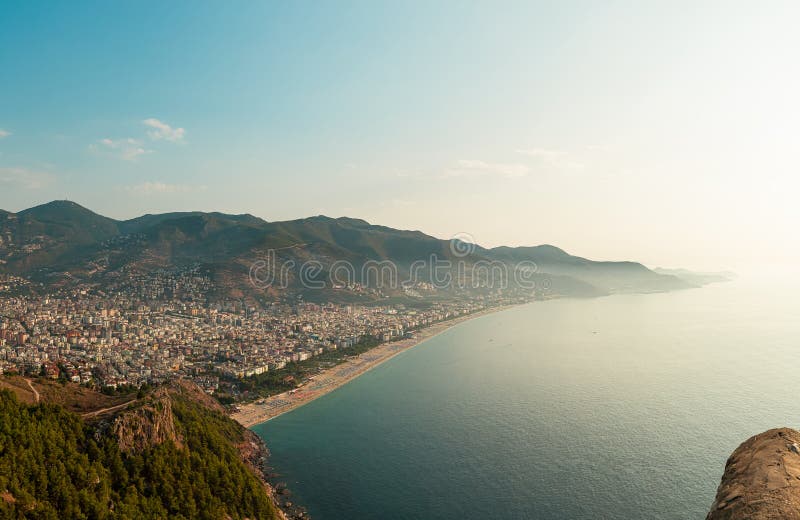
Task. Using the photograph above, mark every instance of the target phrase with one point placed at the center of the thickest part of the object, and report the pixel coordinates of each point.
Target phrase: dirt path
(35, 392)
(95, 413)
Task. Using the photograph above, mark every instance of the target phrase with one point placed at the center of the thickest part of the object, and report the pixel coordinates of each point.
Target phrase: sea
(620, 407)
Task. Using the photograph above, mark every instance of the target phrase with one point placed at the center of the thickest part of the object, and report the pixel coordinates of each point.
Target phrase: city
(130, 338)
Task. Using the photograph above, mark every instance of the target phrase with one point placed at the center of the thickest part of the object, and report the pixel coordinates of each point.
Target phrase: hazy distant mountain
(697, 278)
(62, 242)
(611, 277)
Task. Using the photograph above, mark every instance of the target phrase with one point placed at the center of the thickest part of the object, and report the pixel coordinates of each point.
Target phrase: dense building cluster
(153, 333)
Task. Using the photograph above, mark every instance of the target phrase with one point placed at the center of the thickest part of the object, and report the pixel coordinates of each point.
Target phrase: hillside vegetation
(53, 465)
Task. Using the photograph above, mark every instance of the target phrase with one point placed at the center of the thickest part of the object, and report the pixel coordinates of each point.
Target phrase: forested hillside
(53, 465)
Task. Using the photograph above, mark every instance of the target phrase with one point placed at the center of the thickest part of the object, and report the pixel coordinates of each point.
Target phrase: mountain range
(62, 243)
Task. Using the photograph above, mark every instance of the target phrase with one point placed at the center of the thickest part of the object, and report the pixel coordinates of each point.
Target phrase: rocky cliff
(151, 421)
(147, 425)
(761, 479)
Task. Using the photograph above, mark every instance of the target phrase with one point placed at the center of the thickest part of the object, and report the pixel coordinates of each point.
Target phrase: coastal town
(151, 332)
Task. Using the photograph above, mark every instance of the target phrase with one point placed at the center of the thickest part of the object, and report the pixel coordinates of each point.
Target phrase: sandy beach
(253, 413)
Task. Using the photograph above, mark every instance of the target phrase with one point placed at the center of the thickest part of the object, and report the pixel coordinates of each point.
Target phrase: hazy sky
(665, 132)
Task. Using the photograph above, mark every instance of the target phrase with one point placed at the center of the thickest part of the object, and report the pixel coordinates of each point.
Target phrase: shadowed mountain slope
(62, 241)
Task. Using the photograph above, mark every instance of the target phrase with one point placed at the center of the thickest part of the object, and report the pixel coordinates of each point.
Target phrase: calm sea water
(618, 407)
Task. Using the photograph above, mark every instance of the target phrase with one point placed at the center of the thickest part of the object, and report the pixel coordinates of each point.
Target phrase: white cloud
(130, 148)
(126, 149)
(162, 131)
(24, 178)
(155, 187)
(469, 167)
(409, 174)
(4, 133)
(554, 158)
(543, 153)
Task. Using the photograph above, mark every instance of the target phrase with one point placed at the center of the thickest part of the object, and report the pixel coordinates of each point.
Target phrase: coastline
(251, 414)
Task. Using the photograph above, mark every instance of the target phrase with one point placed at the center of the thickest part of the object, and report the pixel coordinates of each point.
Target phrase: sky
(662, 132)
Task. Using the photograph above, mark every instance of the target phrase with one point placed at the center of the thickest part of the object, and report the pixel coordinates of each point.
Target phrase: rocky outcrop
(761, 479)
(150, 421)
(148, 424)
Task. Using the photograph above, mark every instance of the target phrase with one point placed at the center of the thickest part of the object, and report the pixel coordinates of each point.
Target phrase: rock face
(151, 422)
(761, 479)
(147, 425)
